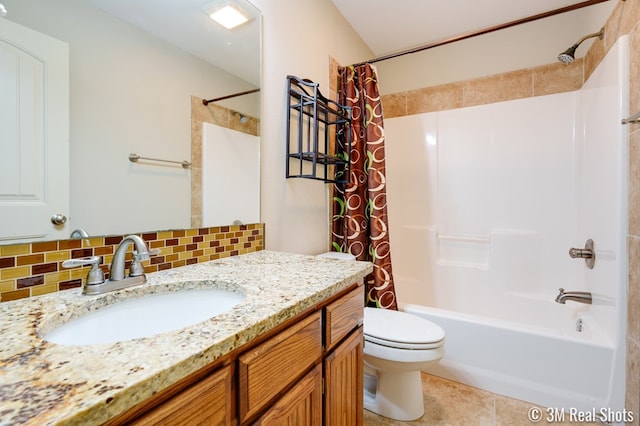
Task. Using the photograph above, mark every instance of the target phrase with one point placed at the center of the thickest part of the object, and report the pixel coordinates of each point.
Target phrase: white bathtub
(531, 363)
(484, 204)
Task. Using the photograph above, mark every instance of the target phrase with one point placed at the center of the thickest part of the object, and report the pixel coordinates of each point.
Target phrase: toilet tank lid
(397, 326)
(338, 255)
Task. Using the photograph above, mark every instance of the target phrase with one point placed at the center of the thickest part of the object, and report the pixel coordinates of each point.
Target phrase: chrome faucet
(96, 283)
(576, 296)
(116, 271)
(79, 234)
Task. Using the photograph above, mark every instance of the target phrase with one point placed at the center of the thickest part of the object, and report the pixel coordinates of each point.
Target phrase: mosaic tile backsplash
(36, 268)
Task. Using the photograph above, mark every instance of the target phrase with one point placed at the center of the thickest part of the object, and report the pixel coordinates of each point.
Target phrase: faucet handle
(81, 261)
(138, 256)
(136, 269)
(95, 275)
(588, 253)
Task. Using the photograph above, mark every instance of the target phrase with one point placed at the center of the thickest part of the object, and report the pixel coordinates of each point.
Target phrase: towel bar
(135, 157)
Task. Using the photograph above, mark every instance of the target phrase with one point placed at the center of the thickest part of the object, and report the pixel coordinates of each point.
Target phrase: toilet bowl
(397, 347)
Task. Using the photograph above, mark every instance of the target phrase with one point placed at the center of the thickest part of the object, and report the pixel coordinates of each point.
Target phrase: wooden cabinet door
(206, 403)
(344, 382)
(301, 406)
(269, 368)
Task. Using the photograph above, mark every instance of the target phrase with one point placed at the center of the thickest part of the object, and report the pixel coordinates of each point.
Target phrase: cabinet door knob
(58, 219)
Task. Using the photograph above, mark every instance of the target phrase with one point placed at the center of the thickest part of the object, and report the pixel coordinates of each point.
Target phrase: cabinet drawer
(269, 368)
(344, 315)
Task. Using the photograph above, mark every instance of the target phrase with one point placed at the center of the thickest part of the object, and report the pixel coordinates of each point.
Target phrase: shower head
(568, 56)
(242, 118)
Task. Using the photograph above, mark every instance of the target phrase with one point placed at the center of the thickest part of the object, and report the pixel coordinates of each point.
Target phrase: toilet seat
(396, 329)
(402, 345)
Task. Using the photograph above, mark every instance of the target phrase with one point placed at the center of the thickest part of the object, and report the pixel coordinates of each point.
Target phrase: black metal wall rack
(318, 134)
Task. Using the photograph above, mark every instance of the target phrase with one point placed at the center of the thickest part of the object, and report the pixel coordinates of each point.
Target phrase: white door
(34, 135)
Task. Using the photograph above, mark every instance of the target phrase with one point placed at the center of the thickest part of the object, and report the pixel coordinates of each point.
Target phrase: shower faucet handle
(577, 253)
(588, 253)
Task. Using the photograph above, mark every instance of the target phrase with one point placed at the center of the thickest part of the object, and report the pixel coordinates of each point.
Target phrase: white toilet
(397, 347)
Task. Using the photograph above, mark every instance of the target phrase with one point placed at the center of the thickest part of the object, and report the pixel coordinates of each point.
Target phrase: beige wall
(298, 38)
(516, 48)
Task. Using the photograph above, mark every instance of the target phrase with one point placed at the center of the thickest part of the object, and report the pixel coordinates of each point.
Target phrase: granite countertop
(42, 383)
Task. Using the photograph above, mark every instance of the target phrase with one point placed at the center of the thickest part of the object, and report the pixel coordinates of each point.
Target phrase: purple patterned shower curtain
(359, 208)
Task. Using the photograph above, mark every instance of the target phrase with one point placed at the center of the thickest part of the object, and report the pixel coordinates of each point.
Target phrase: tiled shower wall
(627, 17)
(549, 79)
(36, 268)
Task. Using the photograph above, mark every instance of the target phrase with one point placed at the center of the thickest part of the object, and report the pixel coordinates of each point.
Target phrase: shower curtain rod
(208, 101)
(486, 30)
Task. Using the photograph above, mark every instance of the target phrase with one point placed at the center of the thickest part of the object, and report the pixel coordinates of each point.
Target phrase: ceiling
(384, 29)
(388, 27)
(184, 24)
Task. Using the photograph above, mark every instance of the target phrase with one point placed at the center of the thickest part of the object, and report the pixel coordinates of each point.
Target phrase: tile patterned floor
(449, 403)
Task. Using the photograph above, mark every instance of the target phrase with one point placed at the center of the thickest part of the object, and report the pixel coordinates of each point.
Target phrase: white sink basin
(144, 317)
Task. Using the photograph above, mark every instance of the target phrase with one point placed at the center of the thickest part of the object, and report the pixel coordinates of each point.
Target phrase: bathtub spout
(576, 296)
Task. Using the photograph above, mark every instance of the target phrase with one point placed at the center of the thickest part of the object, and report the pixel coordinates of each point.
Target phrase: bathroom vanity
(292, 349)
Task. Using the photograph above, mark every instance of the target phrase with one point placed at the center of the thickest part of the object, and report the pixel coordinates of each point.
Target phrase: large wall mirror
(133, 70)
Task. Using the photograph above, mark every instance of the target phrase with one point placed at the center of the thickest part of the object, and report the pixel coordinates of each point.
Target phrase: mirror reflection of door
(34, 135)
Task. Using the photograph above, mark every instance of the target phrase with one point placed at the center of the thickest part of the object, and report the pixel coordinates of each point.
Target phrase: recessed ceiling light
(226, 13)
